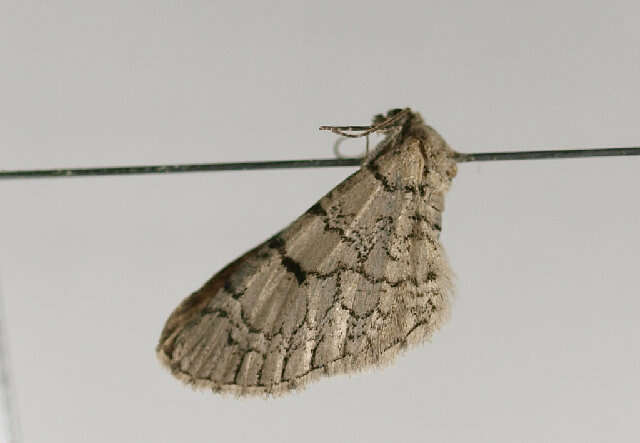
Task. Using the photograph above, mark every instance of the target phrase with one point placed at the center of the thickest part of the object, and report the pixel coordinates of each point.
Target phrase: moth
(356, 279)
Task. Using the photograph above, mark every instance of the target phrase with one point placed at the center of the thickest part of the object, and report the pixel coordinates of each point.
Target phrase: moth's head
(393, 119)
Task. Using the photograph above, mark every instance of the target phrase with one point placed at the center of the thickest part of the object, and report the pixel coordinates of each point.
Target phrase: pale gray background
(544, 340)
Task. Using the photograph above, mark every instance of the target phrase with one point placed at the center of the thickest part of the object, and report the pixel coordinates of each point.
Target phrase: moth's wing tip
(187, 379)
(199, 384)
(168, 364)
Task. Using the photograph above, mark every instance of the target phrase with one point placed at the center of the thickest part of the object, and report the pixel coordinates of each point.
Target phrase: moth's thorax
(416, 153)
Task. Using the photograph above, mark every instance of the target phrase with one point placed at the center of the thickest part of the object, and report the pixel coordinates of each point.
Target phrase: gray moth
(356, 279)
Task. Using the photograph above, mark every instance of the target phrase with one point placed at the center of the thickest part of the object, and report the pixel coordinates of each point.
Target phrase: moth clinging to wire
(357, 278)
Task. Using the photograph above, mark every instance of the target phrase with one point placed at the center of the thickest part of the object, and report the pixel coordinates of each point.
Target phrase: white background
(544, 340)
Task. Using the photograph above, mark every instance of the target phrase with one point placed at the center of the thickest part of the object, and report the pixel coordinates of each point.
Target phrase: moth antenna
(346, 131)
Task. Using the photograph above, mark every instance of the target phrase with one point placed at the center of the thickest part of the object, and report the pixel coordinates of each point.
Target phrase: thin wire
(547, 154)
(312, 163)
(169, 169)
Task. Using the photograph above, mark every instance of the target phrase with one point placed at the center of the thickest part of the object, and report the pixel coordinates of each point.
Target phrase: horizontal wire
(170, 169)
(312, 163)
(547, 154)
